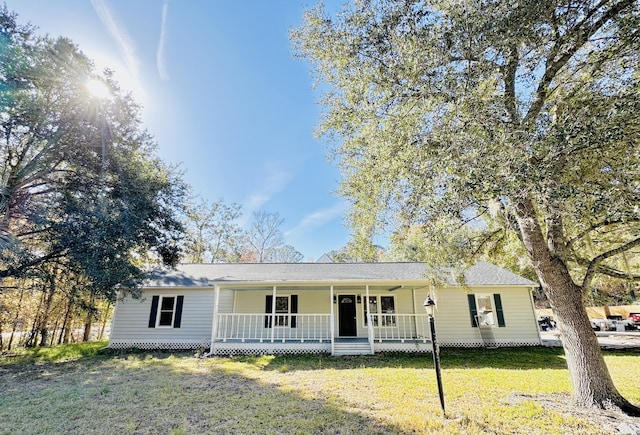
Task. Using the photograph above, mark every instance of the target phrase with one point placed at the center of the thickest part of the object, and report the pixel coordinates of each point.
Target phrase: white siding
(453, 322)
(131, 321)
(309, 301)
(131, 318)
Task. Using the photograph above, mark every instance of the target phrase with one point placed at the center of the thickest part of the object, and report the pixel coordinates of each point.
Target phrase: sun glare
(98, 88)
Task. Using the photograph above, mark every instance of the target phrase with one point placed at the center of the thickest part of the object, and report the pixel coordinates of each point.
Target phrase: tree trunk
(16, 318)
(105, 319)
(590, 378)
(87, 328)
(64, 332)
(46, 312)
(89, 322)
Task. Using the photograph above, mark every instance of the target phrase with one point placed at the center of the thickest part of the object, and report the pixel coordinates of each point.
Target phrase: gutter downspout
(535, 319)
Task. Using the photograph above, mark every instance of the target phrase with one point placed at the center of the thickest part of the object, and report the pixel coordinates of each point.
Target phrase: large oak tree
(492, 116)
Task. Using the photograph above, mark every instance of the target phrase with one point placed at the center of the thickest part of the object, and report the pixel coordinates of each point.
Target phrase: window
(382, 309)
(167, 305)
(285, 306)
(166, 311)
(486, 310)
(282, 308)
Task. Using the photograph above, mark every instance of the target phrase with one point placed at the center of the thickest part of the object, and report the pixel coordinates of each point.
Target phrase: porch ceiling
(326, 288)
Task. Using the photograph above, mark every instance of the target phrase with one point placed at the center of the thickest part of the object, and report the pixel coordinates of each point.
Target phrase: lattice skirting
(276, 348)
(408, 347)
(160, 344)
(256, 348)
(494, 343)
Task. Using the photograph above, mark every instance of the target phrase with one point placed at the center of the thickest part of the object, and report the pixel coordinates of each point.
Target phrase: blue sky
(223, 96)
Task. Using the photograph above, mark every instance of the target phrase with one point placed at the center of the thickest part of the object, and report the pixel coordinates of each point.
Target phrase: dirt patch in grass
(612, 421)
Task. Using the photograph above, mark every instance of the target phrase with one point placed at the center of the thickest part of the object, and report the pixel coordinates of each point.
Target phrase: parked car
(600, 324)
(634, 320)
(546, 324)
(619, 323)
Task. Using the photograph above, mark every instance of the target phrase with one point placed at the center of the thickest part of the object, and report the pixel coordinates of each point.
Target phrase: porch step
(354, 348)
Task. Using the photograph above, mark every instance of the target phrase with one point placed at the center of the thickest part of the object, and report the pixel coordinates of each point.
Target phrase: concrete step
(351, 349)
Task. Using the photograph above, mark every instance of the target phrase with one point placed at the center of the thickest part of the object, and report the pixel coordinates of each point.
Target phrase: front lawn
(71, 389)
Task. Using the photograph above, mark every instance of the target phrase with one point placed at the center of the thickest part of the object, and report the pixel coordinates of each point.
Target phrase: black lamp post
(429, 306)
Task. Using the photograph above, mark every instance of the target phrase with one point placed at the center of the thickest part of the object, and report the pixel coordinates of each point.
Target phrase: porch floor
(347, 340)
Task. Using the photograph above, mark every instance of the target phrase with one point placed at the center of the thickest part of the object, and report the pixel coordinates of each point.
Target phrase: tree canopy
(80, 183)
(476, 119)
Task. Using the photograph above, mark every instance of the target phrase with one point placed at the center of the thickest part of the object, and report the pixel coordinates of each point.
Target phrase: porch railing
(269, 327)
(400, 327)
(315, 327)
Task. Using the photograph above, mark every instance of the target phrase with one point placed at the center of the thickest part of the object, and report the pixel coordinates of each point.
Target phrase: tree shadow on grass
(165, 393)
(524, 358)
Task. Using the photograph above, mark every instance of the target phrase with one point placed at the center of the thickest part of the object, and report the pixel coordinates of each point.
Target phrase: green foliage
(448, 115)
(55, 354)
(81, 184)
(470, 120)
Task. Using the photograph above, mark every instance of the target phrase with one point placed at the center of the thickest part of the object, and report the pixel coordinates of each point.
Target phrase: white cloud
(161, 61)
(318, 218)
(119, 34)
(276, 180)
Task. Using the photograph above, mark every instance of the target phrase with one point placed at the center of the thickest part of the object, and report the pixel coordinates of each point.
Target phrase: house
(334, 308)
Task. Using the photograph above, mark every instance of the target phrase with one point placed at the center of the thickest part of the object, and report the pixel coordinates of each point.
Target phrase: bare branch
(594, 265)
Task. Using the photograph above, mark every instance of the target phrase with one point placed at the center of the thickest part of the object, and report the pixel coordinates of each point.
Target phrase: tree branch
(509, 71)
(582, 34)
(598, 225)
(594, 264)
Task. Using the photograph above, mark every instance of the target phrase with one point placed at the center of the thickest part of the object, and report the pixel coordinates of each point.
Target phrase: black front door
(347, 315)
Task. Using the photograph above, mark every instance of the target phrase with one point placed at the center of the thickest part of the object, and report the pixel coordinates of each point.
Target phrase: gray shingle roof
(208, 275)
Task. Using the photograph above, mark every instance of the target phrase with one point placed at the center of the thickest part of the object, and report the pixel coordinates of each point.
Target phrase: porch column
(369, 322)
(273, 315)
(415, 311)
(332, 326)
(214, 326)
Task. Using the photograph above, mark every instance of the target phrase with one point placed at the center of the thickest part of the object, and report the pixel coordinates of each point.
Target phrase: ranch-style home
(333, 308)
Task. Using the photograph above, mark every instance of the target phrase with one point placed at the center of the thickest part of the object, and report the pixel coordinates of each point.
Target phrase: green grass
(78, 389)
(55, 354)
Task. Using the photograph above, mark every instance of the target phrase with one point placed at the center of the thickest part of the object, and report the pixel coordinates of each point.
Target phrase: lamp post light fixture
(429, 306)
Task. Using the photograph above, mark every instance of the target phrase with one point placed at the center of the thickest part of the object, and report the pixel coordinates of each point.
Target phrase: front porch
(251, 333)
(337, 320)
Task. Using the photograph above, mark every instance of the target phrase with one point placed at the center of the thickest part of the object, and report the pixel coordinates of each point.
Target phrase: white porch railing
(400, 327)
(268, 327)
(315, 327)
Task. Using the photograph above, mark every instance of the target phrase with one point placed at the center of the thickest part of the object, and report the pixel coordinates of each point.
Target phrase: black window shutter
(268, 306)
(473, 310)
(177, 318)
(498, 301)
(154, 311)
(294, 309)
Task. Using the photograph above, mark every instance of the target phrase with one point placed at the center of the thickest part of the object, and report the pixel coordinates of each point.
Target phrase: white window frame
(160, 311)
(380, 315)
(486, 318)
